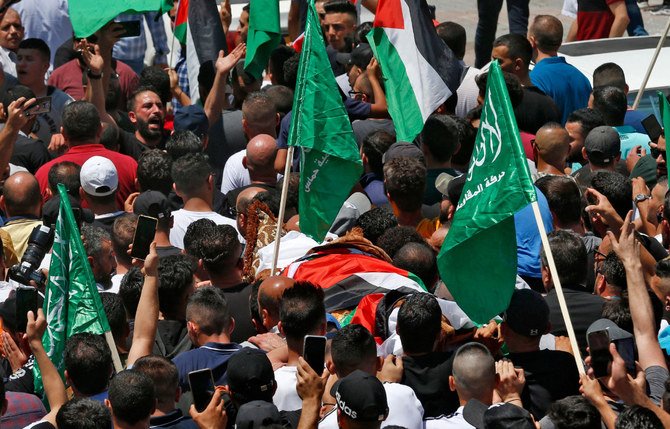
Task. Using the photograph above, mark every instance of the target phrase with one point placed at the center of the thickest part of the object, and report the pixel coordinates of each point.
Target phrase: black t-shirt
(29, 153)
(535, 110)
(550, 375)
(171, 338)
(428, 376)
(584, 309)
(237, 298)
(164, 251)
(226, 137)
(131, 146)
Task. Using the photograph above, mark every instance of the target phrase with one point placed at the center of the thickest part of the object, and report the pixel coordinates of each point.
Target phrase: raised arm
(146, 317)
(217, 101)
(95, 92)
(16, 119)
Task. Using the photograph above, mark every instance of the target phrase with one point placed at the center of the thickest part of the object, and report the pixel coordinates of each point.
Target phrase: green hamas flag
(330, 163)
(71, 302)
(264, 35)
(478, 259)
(88, 16)
(665, 122)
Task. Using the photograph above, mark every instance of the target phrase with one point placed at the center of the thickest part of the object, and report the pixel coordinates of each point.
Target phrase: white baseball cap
(98, 176)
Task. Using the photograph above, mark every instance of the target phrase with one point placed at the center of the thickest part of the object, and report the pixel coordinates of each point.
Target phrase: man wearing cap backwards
(99, 182)
(602, 148)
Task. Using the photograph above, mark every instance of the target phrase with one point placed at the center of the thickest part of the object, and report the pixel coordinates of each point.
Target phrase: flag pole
(638, 97)
(282, 206)
(559, 289)
(118, 367)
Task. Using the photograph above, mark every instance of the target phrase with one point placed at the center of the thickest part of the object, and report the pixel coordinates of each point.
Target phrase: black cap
(527, 313)
(191, 118)
(250, 374)
(360, 56)
(503, 415)
(152, 203)
(361, 396)
(403, 150)
(602, 145)
(257, 414)
(51, 208)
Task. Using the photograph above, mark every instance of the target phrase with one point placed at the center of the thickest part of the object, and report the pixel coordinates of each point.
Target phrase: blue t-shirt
(566, 85)
(634, 119)
(630, 138)
(528, 241)
(211, 355)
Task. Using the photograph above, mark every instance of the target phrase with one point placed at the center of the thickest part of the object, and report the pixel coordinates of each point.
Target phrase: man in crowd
(551, 147)
(11, 34)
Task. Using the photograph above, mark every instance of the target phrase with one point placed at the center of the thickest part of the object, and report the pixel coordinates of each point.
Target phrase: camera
(39, 243)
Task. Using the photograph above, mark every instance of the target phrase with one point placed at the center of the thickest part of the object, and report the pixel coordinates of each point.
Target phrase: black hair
(190, 172)
(351, 347)
(618, 311)
(419, 259)
(517, 46)
(587, 118)
(512, 83)
(195, 235)
(290, 70)
(208, 308)
(362, 30)
(454, 37)
(609, 74)
(67, 173)
(254, 310)
(132, 396)
(81, 122)
(440, 135)
(278, 57)
(281, 96)
(293, 196)
(637, 417)
(83, 413)
(466, 136)
(302, 310)
(271, 198)
(405, 182)
(220, 250)
(548, 32)
(574, 412)
(38, 45)
(616, 187)
(394, 238)
(563, 197)
(88, 362)
(140, 89)
(374, 146)
(123, 233)
(116, 314)
(181, 143)
(131, 289)
(156, 78)
(614, 271)
(375, 222)
(341, 6)
(164, 376)
(419, 323)
(175, 279)
(612, 104)
(570, 258)
(153, 171)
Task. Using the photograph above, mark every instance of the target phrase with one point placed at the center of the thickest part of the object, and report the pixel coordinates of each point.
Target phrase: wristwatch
(641, 197)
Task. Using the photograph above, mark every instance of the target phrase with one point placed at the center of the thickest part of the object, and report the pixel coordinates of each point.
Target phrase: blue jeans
(635, 26)
(488, 11)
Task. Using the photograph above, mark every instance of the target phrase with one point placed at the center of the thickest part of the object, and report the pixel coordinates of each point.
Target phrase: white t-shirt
(183, 218)
(234, 174)
(467, 93)
(454, 420)
(405, 410)
(286, 397)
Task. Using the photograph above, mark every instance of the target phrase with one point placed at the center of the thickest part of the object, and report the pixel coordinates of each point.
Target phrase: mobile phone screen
(145, 230)
(202, 388)
(314, 352)
(132, 28)
(626, 348)
(599, 343)
(652, 127)
(42, 105)
(26, 300)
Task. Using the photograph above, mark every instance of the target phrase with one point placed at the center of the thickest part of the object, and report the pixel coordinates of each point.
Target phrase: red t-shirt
(126, 168)
(594, 19)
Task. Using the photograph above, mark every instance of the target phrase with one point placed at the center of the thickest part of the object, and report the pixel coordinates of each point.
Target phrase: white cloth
(405, 409)
(183, 218)
(46, 20)
(234, 174)
(286, 397)
(454, 420)
(116, 284)
(8, 61)
(569, 8)
(467, 93)
(292, 246)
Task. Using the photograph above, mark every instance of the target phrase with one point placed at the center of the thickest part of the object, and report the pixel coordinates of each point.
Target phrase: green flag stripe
(88, 16)
(665, 119)
(402, 103)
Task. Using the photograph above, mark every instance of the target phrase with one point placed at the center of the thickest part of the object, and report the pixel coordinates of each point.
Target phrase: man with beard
(579, 125)
(98, 246)
(147, 113)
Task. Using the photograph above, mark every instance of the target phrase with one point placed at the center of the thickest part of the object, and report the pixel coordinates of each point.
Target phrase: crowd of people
(124, 134)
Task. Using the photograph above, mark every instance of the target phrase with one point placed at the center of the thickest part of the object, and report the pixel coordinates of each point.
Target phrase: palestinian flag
(181, 22)
(420, 71)
(347, 274)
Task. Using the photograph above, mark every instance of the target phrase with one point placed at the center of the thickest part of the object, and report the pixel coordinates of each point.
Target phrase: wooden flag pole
(559, 289)
(118, 367)
(652, 63)
(282, 206)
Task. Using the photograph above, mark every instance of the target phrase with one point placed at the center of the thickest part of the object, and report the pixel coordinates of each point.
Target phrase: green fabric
(478, 259)
(263, 37)
(400, 98)
(88, 16)
(665, 118)
(330, 162)
(71, 303)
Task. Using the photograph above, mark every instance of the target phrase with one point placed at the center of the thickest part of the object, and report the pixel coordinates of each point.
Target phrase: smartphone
(202, 388)
(132, 28)
(314, 352)
(42, 105)
(26, 300)
(652, 127)
(599, 349)
(626, 348)
(145, 231)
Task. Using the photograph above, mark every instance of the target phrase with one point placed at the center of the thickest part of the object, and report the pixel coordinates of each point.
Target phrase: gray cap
(602, 145)
(357, 204)
(612, 329)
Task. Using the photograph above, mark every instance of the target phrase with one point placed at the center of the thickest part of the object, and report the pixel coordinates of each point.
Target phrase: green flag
(478, 259)
(71, 302)
(88, 16)
(330, 165)
(665, 122)
(264, 35)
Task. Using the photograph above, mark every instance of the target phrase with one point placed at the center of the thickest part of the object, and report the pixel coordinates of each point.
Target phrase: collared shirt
(211, 355)
(173, 419)
(8, 61)
(133, 48)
